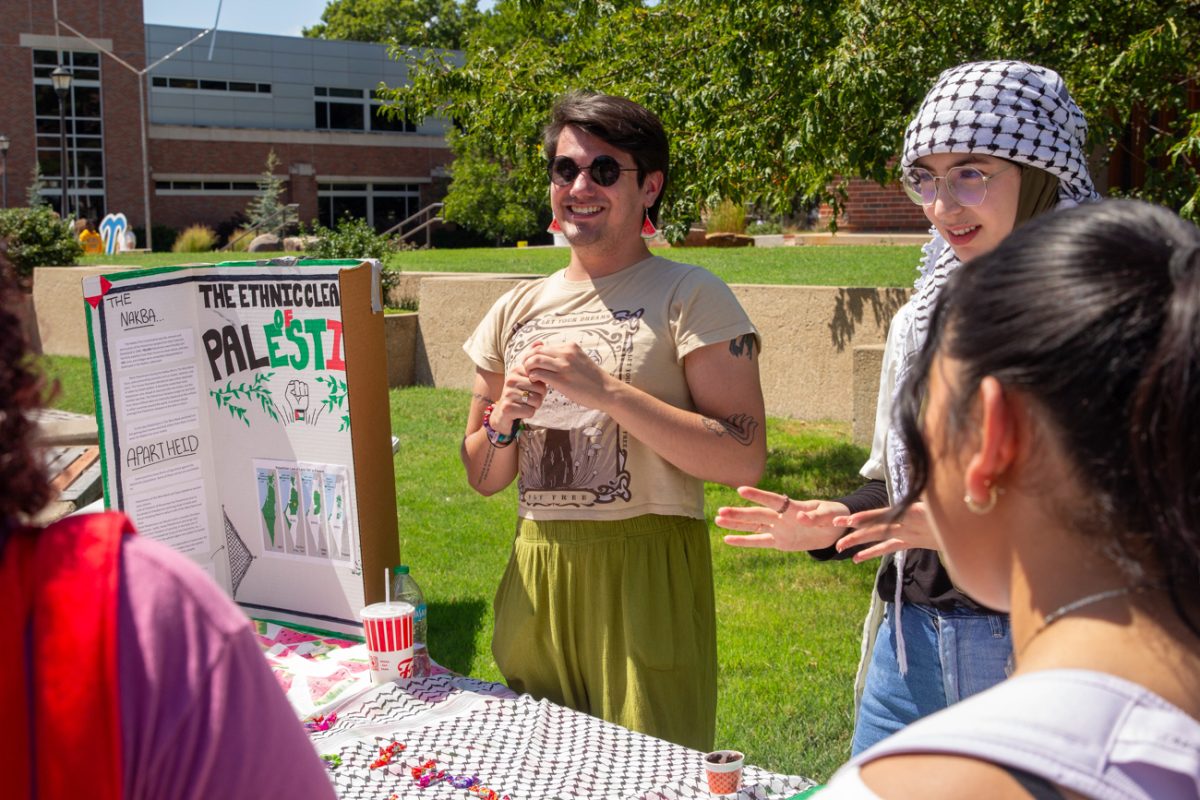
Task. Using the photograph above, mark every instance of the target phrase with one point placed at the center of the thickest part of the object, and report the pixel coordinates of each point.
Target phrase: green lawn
(788, 626)
(73, 379)
(841, 265)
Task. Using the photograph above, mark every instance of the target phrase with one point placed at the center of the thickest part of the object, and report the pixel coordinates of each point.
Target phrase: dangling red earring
(554, 226)
(648, 229)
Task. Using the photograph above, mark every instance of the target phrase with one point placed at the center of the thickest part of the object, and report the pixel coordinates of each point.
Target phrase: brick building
(871, 207)
(214, 111)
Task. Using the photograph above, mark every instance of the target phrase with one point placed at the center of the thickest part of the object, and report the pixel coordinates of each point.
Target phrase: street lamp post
(4, 166)
(61, 78)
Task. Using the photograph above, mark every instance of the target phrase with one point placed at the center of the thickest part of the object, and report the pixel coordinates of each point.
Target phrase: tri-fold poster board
(243, 418)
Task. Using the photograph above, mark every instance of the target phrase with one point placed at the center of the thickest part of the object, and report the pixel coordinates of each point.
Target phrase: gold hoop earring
(974, 507)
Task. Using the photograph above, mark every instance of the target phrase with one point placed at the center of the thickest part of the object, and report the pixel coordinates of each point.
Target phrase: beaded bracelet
(499, 439)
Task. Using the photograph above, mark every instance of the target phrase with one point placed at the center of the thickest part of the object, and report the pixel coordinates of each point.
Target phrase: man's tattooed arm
(487, 464)
(743, 345)
(740, 426)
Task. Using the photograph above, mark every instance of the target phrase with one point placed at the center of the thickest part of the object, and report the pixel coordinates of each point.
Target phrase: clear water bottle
(405, 589)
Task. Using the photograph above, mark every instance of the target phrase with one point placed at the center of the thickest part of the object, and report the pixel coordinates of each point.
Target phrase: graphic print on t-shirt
(573, 456)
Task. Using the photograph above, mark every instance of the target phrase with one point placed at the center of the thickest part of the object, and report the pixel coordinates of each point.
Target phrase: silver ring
(787, 502)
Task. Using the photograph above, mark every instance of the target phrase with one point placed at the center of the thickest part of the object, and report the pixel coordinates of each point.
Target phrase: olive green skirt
(616, 619)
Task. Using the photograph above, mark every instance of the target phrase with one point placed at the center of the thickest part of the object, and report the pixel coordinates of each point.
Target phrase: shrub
(37, 237)
(727, 217)
(239, 240)
(761, 227)
(196, 239)
(449, 235)
(352, 238)
(164, 237)
(227, 229)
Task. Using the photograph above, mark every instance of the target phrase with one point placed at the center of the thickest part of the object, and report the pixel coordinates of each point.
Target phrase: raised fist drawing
(297, 399)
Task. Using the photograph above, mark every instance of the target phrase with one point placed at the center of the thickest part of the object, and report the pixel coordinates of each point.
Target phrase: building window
(196, 186)
(83, 114)
(382, 121)
(382, 205)
(354, 110)
(206, 85)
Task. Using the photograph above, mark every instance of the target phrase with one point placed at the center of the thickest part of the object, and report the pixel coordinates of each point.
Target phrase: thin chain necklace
(1075, 605)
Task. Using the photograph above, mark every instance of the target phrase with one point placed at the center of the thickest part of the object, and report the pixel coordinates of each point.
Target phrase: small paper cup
(388, 629)
(723, 769)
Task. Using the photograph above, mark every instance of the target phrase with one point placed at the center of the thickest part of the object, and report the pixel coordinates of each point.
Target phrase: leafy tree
(267, 211)
(424, 23)
(490, 198)
(767, 100)
(499, 185)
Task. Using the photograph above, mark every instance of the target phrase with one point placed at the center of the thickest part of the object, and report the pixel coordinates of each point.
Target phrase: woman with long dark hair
(1053, 424)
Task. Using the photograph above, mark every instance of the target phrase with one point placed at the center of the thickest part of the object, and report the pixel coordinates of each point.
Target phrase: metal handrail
(421, 227)
(426, 211)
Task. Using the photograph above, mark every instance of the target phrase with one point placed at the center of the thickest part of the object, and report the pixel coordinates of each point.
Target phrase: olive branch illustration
(248, 393)
(336, 399)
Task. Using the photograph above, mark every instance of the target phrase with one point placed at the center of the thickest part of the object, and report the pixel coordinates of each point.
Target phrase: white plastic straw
(387, 587)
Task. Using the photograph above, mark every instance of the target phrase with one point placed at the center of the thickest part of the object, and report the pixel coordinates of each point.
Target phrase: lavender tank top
(1089, 732)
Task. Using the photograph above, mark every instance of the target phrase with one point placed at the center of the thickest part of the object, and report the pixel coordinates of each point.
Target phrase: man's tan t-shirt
(637, 324)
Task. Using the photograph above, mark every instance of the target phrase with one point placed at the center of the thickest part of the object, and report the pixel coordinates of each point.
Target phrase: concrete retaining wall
(24, 311)
(868, 363)
(822, 345)
(60, 308)
(401, 332)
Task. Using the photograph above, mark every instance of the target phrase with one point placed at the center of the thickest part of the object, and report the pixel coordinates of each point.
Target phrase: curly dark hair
(25, 488)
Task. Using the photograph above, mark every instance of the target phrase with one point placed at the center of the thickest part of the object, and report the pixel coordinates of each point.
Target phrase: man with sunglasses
(624, 381)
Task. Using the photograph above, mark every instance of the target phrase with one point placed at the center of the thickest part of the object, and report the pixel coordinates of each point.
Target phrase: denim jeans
(951, 656)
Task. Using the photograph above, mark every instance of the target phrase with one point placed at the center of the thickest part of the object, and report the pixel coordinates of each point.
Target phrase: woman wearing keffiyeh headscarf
(993, 144)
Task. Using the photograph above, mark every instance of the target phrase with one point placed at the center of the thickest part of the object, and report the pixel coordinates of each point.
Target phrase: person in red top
(131, 674)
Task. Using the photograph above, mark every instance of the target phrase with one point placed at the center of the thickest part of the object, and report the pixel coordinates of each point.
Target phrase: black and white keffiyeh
(1007, 109)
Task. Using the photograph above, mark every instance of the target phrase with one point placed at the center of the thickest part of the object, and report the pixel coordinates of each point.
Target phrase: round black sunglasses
(604, 170)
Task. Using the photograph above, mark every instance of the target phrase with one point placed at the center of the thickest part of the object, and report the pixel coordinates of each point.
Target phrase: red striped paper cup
(388, 628)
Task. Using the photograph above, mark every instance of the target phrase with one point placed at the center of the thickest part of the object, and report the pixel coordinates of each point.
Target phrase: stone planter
(728, 240)
(694, 238)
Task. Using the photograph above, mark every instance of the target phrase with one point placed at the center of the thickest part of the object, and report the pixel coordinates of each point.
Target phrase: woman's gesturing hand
(782, 523)
(911, 531)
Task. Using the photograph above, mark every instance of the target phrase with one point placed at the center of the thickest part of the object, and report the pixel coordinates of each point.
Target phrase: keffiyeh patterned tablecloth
(515, 745)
